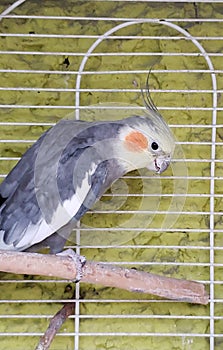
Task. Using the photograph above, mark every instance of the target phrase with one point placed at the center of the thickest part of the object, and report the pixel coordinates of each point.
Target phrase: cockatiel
(69, 168)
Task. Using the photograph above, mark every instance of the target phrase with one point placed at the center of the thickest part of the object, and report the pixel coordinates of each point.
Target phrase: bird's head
(146, 142)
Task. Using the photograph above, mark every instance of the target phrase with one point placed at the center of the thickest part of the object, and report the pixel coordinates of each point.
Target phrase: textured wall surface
(38, 72)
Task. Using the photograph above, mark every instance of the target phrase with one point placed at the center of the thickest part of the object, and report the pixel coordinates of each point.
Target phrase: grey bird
(69, 168)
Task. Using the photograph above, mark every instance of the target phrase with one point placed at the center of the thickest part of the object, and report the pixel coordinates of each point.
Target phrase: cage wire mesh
(89, 60)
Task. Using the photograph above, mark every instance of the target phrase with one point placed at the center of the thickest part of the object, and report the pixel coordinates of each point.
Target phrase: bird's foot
(79, 261)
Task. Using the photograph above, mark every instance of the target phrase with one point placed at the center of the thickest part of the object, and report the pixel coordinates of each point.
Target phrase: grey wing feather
(43, 179)
(19, 205)
(11, 182)
(99, 183)
(26, 163)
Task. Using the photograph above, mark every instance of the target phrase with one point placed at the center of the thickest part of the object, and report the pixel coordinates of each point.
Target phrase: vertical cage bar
(212, 208)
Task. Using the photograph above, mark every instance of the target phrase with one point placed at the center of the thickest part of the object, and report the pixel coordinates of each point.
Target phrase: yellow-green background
(19, 288)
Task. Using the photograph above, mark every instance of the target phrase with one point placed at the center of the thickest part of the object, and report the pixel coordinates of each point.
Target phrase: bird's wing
(25, 223)
(12, 181)
(46, 197)
(26, 163)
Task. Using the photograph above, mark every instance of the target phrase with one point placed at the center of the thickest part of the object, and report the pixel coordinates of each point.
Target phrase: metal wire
(101, 315)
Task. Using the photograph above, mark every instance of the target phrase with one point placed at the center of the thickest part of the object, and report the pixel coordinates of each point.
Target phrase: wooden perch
(71, 267)
(55, 324)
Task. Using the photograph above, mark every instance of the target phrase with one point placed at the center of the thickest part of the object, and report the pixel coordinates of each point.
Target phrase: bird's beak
(161, 164)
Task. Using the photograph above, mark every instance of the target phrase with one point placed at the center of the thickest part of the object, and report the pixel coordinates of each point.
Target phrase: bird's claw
(79, 261)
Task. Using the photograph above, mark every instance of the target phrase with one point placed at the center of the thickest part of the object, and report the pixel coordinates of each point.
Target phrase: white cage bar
(89, 58)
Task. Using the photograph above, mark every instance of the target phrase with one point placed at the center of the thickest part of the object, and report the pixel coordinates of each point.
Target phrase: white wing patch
(34, 234)
(3, 245)
(63, 214)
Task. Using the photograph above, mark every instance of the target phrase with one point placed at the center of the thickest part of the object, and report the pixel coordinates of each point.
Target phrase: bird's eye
(154, 146)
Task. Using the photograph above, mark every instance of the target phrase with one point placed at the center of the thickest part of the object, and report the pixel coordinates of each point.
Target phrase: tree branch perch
(55, 324)
(68, 267)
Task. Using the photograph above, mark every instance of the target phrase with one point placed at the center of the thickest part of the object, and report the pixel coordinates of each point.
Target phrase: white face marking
(156, 130)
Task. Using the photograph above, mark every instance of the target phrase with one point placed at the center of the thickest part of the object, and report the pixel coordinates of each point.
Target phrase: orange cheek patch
(136, 141)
